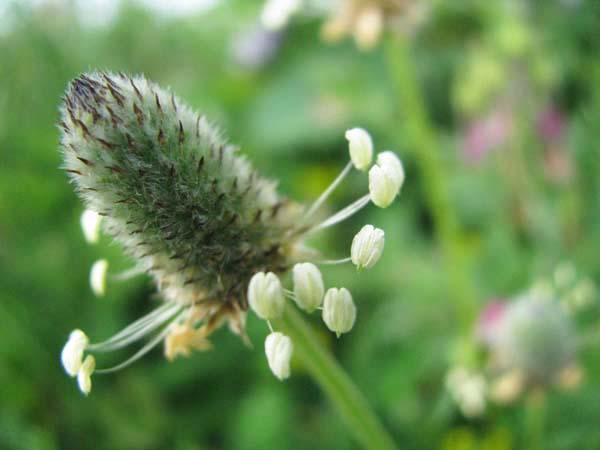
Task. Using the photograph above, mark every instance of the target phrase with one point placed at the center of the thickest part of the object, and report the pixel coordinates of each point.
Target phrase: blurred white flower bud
(276, 14)
(98, 277)
(308, 286)
(507, 387)
(468, 389)
(367, 247)
(90, 224)
(279, 349)
(361, 147)
(265, 295)
(385, 179)
(84, 376)
(339, 312)
(72, 353)
(368, 27)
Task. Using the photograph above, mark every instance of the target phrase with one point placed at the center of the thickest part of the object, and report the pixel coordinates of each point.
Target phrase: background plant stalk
(426, 153)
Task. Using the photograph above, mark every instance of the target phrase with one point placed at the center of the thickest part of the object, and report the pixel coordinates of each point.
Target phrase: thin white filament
(141, 352)
(141, 333)
(137, 329)
(326, 193)
(128, 274)
(137, 334)
(132, 328)
(335, 261)
(342, 215)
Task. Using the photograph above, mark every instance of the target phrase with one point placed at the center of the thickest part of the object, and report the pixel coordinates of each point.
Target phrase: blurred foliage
(522, 208)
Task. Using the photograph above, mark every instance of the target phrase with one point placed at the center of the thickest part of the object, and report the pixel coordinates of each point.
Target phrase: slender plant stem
(427, 156)
(535, 418)
(362, 423)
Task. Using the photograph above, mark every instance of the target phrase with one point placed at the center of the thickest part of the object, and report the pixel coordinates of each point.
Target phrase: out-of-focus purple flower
(255, 47)
(486, 134)
(489, 324)
(551, 124)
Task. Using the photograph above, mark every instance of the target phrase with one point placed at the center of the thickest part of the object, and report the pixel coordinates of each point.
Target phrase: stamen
(128, 274)
(141, 352)
(137, 329)
(341, 215)
(142, 321)
(142, 332)
(326, 193)
(335, 261)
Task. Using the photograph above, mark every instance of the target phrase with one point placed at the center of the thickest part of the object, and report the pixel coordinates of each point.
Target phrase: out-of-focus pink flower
(557, 163)
(490, 320)
(551, 124)
(485, 135)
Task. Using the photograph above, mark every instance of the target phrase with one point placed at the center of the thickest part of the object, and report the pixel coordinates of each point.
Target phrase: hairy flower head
(186, 207)
(179, 198)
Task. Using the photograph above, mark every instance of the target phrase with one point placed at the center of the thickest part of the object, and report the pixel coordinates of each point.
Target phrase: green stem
(434, 174)
(535, 418)
(353, 407)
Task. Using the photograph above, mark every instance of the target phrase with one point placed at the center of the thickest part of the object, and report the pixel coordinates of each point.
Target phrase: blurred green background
(503, 184)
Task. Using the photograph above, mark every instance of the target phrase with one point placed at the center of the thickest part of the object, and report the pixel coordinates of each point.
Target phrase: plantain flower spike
(189, 210)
